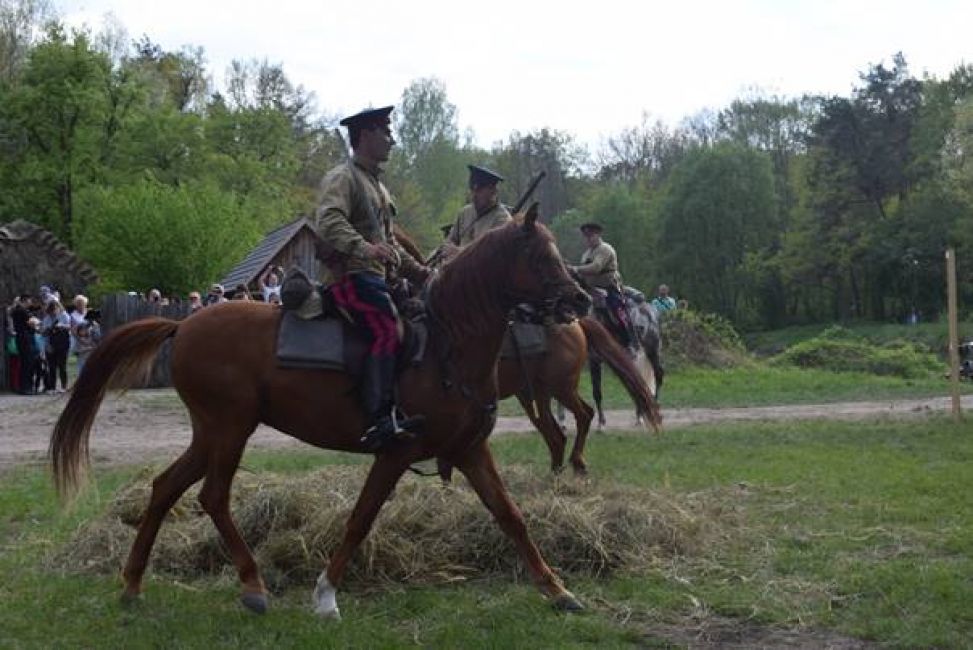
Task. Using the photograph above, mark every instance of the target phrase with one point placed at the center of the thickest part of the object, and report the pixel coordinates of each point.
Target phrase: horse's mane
(466, 291)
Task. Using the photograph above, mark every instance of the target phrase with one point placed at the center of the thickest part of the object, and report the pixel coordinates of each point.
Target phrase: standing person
(270, 284)
(599, 268)
(78, 316)
(26, 348)
(664, 302)
(57, 326)
(482, 214)
(354, 219)
(39, 376)
(87, 336)
(242, 293)
(215, 295)
(195, 302)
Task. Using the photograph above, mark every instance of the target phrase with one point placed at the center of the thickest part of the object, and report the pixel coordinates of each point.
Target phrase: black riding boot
(384, 426)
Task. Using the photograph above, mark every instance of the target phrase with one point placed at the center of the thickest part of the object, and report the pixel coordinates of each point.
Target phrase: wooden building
(288, 246)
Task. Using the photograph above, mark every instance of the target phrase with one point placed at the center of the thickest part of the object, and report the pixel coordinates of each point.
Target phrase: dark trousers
(28, 359)
(57, 358)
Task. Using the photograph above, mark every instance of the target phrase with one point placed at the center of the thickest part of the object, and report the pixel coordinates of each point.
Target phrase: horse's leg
(445, 471)
(166, 490)
(594, 367)
(544, 422)
(583, 414)
(480, 470)
(657, 369)
(215, 499)
(382, 477)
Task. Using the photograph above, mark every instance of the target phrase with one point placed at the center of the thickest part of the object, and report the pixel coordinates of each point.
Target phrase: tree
(554, 152)
(717, 209)
(55, 115)
(21, 21)
(644, 154)
(425, 118)
(175, 239)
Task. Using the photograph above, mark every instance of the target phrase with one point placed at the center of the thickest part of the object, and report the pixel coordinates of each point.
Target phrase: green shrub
(697, 339)
(839, 350)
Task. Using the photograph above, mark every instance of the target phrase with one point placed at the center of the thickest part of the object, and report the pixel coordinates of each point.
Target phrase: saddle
(313, 333)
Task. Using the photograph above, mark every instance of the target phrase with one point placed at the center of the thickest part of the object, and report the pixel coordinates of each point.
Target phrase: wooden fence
(118, 309)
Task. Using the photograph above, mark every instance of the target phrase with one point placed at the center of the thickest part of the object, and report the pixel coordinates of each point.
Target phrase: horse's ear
(530, 217)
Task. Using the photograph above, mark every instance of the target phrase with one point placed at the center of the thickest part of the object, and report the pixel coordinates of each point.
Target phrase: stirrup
(391, 428)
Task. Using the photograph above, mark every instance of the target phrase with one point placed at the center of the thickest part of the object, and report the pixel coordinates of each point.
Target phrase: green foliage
(837, 349)
(53, 119)
(718, 207)
(700, 339)
(175, 239)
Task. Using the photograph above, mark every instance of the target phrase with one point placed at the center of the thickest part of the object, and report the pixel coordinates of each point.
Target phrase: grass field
(759, 385)
(846, 531)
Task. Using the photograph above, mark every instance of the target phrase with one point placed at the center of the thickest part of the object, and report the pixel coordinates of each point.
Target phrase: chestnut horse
(556, 375)
(229, 388)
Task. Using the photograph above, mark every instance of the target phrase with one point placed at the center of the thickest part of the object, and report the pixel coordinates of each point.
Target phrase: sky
(590, 68)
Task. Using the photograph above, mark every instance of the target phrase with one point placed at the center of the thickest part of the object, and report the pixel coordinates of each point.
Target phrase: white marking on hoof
(324, 601)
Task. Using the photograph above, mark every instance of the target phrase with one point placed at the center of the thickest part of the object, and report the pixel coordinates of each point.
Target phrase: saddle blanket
(331, 343)
(320, 343)
(531, 339)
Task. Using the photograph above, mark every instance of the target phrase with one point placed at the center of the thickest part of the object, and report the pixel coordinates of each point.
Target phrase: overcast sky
(591, 70)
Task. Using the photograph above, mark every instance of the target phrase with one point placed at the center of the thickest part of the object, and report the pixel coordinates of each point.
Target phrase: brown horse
(556, 375)
(230, 388)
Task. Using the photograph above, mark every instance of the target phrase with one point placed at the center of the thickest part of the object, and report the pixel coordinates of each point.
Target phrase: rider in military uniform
(483, 214)
(354, 217)
(599, 268)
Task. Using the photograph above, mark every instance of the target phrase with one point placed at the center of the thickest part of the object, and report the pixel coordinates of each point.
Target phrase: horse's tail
(123, 358)
(618, 359)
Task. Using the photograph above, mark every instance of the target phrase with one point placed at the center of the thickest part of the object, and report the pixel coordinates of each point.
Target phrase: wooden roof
(261, 256)
(31, 256)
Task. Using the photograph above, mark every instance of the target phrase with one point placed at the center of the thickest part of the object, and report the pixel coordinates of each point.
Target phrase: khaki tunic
(599, 267)
(354, 208)
(468, 228)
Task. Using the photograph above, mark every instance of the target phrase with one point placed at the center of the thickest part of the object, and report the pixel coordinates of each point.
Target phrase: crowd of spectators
(40, 334)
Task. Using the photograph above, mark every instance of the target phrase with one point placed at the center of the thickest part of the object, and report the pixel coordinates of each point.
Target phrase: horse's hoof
(581, 471)
(328, 614)
(129, 599)
(566, 602)
(255, 602)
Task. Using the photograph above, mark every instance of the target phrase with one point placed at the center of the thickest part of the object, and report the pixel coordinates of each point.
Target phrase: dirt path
(150, 424)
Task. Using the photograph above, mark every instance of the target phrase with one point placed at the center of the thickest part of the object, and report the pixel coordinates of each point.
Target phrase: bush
(838, 350)
(693, 338)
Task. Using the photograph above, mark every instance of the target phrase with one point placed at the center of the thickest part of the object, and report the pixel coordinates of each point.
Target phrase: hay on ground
(425, 533)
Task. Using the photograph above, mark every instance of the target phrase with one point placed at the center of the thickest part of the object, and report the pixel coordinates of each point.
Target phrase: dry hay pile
(425, 533)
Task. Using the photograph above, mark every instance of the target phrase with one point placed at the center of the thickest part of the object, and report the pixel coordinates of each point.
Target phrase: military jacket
(599, 267)
(468, 228)
(354, 208)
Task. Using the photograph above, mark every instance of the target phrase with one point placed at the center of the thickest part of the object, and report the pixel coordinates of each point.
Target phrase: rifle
(437, 255)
